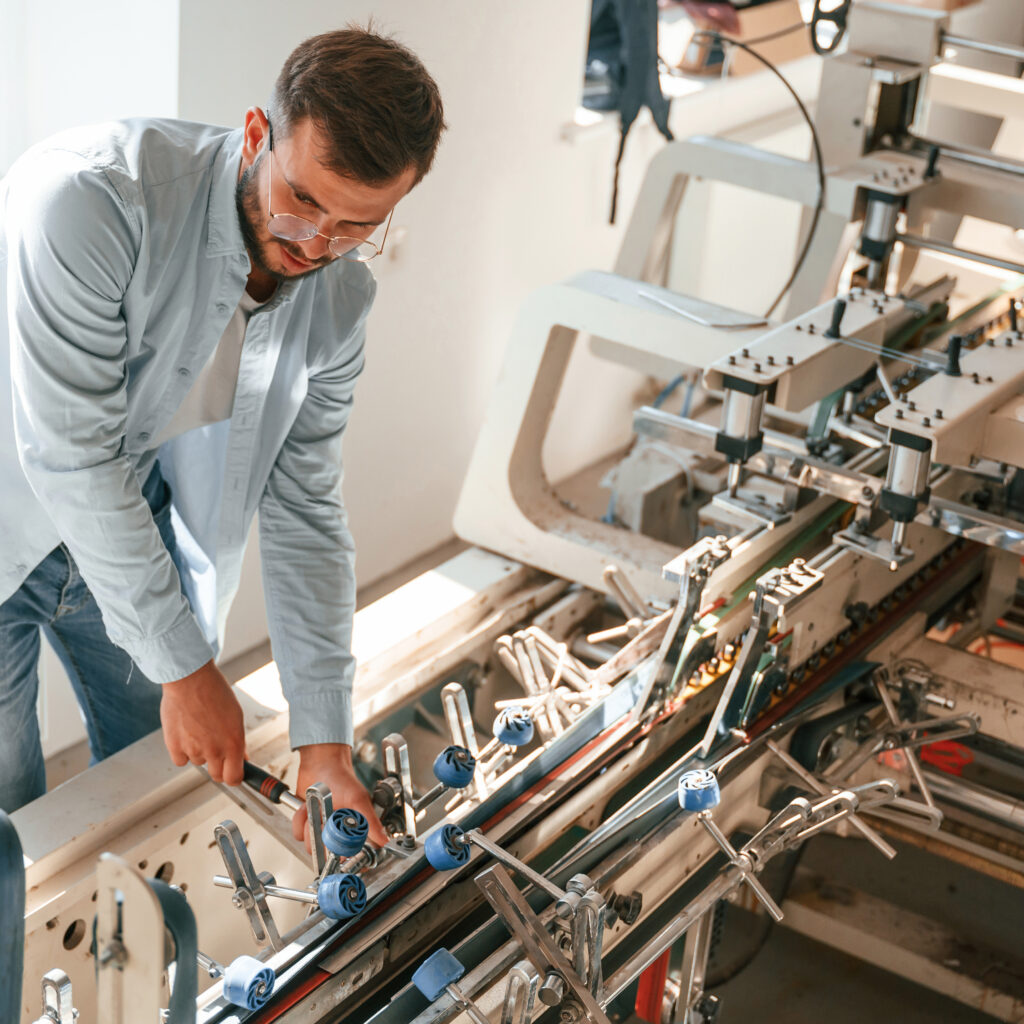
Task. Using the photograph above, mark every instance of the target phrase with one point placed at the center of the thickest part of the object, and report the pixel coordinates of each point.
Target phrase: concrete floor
(796, 980)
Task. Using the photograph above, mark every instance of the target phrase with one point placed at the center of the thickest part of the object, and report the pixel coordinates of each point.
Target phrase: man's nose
(316, 248)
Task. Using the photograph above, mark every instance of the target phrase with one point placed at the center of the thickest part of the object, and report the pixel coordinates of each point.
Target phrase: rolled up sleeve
(72, 244)
(309, 557)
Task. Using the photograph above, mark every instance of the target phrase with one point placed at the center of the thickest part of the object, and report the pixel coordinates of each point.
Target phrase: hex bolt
(938, 414)
(899, 414)
(926, 422)
(790, 361)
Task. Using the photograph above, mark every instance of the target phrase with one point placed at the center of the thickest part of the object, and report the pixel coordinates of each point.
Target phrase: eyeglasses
(297, 229)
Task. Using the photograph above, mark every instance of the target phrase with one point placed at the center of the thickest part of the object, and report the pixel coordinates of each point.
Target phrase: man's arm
(72, 244)
(309, 583)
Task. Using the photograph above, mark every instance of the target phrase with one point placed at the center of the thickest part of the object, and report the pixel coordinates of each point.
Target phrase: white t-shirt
(211, 397)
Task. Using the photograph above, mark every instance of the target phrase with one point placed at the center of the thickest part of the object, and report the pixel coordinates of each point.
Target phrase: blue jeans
(118, 703)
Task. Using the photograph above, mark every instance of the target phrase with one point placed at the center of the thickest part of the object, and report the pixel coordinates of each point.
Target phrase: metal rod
(967, 154)
(1013, 52)
(479, 839)
(282, 892)
(918, 242)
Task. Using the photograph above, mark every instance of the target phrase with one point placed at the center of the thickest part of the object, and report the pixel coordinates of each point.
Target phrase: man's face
(302, 185)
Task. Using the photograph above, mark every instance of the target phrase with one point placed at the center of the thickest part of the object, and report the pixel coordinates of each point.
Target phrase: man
(184, 311)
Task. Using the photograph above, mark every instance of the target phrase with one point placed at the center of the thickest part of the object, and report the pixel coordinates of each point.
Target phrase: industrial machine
(783, 626)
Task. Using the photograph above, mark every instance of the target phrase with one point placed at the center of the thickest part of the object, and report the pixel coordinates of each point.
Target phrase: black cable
(615, 179)
(723, 973)
(819, 160)
(777, 34)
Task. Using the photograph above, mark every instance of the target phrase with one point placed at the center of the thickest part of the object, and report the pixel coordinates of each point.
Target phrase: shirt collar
(224, 236)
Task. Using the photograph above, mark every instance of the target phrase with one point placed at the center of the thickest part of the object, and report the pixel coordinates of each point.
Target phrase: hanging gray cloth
(628, 30)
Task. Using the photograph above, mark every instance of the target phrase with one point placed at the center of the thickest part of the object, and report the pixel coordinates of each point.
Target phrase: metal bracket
(58, 1007)
(508, 903)
(396, 763)
(319, 808)
(250, 894)
(460, 724)
(521, 994)
(775, 591)
(697, 565)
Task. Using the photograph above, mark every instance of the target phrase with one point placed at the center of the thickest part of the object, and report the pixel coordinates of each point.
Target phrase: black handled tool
(270, 787)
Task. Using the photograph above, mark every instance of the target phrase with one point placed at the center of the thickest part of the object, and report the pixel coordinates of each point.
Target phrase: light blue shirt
(122, 260)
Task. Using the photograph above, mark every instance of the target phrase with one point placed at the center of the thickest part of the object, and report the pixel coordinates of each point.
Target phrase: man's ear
(255, 134)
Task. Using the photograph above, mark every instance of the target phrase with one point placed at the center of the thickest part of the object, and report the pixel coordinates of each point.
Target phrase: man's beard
(247, 205)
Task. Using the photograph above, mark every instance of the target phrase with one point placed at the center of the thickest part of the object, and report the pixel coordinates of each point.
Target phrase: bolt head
(242, 899)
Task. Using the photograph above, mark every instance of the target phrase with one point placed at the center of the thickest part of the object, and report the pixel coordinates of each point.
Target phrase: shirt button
(183, 371)
(222, 307)
(143, 436)
(21, 567)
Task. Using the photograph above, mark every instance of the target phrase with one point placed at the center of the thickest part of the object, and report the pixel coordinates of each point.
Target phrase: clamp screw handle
(953, 355)
(838, 311)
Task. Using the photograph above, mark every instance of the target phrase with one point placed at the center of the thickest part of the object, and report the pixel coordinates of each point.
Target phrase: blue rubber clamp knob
(345, 832)
(341, 896)
(248, 983)
(439, 970)
(454, 766)
(698, 790)
(513, 726)
(442, 850)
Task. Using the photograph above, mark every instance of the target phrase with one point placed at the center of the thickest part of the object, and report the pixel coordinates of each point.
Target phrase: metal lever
(526, 927)
(819, 787)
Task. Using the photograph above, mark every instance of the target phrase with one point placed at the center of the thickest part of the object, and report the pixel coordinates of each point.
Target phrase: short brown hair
(373, 101)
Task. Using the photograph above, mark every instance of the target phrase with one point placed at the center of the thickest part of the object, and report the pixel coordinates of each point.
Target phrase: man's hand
(203, 723)
(331, 763)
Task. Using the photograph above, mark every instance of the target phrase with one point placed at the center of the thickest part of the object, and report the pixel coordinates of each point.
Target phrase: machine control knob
(345, 832)
(627, 907)
(513, 727)
(698, 790)
(443, 850)
(436, 973)
(454, 767)
(341, 896)
(248, 983)
(953, 355)
(838, 310)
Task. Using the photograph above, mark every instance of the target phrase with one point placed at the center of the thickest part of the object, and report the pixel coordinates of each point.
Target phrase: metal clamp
(250, 893)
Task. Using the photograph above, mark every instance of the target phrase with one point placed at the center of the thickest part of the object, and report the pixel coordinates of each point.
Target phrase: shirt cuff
(321, 718)
(171, 655)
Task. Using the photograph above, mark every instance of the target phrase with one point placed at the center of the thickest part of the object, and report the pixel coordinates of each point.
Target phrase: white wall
(65, 63)
(508, 207)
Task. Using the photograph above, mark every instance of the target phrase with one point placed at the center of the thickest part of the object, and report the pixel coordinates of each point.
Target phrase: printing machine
(593, 732)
